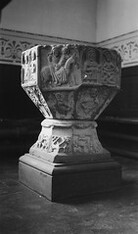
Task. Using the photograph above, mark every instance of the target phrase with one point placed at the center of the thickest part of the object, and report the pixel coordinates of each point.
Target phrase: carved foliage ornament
(11, 49)
(128, 51)
(12, 43)
(36, 96)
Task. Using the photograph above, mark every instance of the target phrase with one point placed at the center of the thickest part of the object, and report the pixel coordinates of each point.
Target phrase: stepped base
(59, 181)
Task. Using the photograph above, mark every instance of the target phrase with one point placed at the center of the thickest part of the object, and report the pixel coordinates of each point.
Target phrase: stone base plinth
(59, 181)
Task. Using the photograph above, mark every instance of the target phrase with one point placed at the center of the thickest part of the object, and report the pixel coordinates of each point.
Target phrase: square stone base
(59, 181)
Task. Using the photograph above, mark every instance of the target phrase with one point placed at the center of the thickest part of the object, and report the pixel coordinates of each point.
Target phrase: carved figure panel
(71, 85)
(61, 104)
(73, 65)
(29, 72)
(63, 68)
(85, 139)
(100, 66)
(75, 81)
(91, 100)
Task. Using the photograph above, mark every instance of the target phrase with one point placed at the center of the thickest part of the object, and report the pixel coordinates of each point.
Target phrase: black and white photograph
(69, 117)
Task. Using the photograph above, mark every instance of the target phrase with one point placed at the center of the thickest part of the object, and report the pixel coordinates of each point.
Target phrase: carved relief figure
(81, 144)
(90, 65)
(62, 104)
(63, 67)
(100, 66)
(86, 103)
(85, 139)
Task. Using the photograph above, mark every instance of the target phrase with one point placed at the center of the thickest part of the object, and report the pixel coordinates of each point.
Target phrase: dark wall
(14, 102)
(125, 104)
(118, 130)
(19, 118)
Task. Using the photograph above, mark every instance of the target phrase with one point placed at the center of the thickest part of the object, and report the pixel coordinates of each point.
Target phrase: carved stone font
(71, 85)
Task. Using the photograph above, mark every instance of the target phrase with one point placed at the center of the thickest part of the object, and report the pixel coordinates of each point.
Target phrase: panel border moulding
(12, 43)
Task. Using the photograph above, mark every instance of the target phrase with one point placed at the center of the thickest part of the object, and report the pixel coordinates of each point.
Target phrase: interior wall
(14, 103)
(116, 17)
(73, 19)
(86, 20)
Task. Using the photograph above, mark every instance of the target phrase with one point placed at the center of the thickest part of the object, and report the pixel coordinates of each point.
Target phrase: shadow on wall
(14, 103)
(125, 104)
(19, 118)
(3, 3)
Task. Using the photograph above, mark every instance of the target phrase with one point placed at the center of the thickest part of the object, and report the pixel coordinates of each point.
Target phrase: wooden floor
(25, 212)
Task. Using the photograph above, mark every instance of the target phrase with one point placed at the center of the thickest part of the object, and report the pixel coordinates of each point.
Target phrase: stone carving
(73, 65)
(91, 100)
(53, 146)
(85, 139)
(10, 50)
(62, 67)
(36, 96)
(86, 103)
(78, 138)
(128, 51)
(29, 80)
(62, 104)
(29, 59)
(100, 66)
(69, 77)
(71, 85)
(51, 143)
(127, 46)
(12, 43)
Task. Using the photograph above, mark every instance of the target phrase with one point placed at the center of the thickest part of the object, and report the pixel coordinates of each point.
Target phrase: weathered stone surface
(70, 142)
(71, 81)
(71, 85)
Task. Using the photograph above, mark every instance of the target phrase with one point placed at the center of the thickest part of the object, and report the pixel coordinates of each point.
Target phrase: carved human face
(56, 54)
